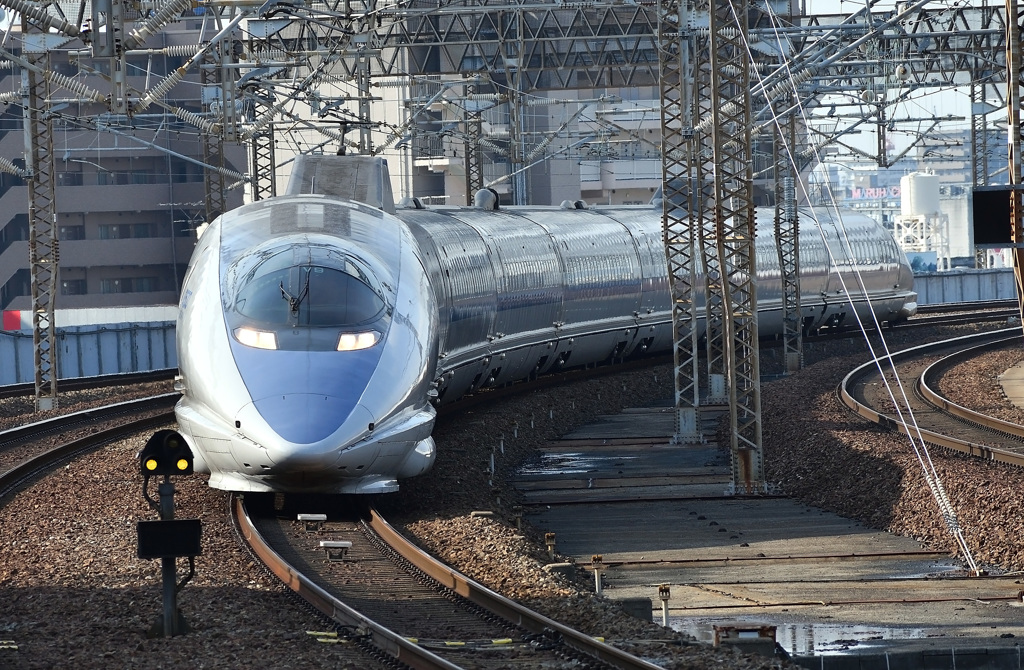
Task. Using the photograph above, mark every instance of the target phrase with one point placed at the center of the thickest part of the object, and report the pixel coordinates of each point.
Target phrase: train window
(309, 295)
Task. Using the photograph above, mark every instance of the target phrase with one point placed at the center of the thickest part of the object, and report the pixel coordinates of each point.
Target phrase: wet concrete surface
(660, 514)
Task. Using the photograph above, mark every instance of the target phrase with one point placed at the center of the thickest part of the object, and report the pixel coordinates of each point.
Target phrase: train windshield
(329, 290)
(308, 295)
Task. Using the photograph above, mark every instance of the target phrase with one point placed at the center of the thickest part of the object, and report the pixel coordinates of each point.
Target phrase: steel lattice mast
(676, 36)
(42, 210)
(787, 234)
(723, 223)
(735, 231)
(1013, 74)
(473, 150)
(262, 158)
(213, 144)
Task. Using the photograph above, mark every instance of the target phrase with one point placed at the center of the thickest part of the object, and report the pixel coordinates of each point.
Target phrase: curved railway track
(936, 419)
(82, 383)
(32, 449)
(988, 314)
(453, 621)
(473, 647)
(973, 306)
(435, 617)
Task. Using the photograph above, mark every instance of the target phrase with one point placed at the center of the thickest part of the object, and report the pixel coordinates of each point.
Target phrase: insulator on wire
(11, 168)
(160, 90)
(727, 109)
(232, 174)
(182, 50)
(41, 16)
(333, 134)
(196, 120)
(262, 122)
(391, 139)
(75, 86)
(269, 55)
(167, 13)
(788, 86)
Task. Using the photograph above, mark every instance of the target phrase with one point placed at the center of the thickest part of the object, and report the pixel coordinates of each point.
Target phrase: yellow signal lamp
(166, 453)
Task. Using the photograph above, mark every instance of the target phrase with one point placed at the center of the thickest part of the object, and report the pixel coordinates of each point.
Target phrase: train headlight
(355, 341)
(260, 339)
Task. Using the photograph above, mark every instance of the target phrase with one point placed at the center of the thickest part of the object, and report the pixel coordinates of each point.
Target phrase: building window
(145, 284)
(69, 179)
(130, 285)
(68, 233)
(72, 287)
(142, 177)
(123, 231)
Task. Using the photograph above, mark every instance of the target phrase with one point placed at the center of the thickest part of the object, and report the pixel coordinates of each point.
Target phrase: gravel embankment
(74, 595)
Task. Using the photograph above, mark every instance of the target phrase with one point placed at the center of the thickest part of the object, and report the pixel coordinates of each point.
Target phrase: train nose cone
(304, 418)
(303, 431)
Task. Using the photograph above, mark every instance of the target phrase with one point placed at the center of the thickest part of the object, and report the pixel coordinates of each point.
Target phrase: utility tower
(42, 206)
(725, 221)
(677, 36)
(1013, 84)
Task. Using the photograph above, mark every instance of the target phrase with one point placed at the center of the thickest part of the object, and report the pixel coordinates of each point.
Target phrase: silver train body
(319, 330)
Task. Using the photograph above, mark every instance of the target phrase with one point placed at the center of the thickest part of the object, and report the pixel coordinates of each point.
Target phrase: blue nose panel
(304, 418)
(305, 396)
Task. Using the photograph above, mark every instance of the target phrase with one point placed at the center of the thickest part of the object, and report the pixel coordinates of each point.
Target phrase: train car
(319, 330)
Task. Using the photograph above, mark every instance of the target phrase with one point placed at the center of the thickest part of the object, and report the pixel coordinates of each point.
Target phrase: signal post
(167, 454)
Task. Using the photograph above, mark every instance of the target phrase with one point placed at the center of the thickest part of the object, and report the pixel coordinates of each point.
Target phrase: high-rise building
(129, 190)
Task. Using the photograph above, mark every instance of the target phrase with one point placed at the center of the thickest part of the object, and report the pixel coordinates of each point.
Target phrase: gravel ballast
(75, 595)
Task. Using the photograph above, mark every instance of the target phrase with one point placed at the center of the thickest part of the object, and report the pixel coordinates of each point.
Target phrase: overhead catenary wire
(917, 441)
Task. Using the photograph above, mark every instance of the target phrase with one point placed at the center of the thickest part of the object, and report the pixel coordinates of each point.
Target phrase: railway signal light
(166, 453)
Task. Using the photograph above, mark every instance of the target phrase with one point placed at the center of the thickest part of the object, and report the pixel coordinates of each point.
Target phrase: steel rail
(965, 306)
(838, 603)
(993, 339)
(398, 646)
(101, 381)
(789, 558)
(947, 318)
(66, 421)
(388, 641)
(26, 471)
(500, 605)
(935, 370)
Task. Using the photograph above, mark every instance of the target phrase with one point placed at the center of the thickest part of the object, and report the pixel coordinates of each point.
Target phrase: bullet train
(319, 330)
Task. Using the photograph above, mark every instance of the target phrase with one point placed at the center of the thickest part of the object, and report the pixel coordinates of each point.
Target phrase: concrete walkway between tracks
(1012, 382)
(835, 594)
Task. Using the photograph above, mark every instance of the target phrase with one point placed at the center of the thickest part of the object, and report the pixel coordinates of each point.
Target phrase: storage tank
(919, 194)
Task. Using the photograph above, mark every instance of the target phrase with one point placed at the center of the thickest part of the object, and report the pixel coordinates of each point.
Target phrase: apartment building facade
(130, 192)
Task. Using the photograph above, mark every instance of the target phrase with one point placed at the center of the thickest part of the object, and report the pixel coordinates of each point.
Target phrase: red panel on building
(12, 320)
